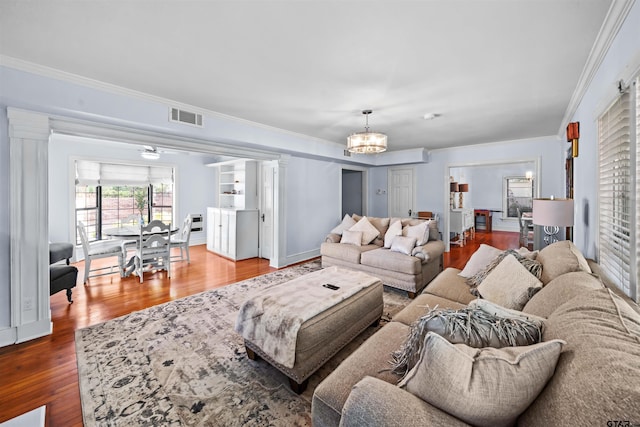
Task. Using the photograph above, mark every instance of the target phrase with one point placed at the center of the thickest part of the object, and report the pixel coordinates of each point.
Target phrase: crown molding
(616, 16)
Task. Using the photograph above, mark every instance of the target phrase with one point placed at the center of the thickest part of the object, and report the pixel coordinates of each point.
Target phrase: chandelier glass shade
(367, 142)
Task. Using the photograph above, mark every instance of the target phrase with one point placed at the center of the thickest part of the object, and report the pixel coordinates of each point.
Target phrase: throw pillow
(347, 223)
(352, 237)
(582, 261)
(505, 313)
(395, 229)
(369, 232)
(479, 260)
(403, 244)
(419, 231)
(557, 259)
(533, 266)
(509, 284)
(475, 326)
(525, 252)
(483, 387)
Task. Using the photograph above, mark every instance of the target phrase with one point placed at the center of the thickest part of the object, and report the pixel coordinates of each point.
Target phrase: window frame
(505, 195)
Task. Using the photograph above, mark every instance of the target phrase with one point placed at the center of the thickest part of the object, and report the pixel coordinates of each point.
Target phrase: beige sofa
(410, 273)
(596, 379)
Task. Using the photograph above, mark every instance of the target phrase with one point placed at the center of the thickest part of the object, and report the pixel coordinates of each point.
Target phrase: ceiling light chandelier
(367, 142)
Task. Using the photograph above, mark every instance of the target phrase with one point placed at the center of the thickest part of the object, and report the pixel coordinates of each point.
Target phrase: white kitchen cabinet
(233, 233)
(462, 221)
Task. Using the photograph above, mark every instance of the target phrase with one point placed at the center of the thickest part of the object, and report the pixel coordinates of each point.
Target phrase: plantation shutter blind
(615, 192)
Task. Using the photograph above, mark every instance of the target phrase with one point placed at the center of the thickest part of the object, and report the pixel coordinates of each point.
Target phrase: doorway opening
(354, 190)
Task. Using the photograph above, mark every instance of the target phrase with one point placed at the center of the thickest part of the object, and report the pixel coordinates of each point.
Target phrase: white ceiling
(493, 70)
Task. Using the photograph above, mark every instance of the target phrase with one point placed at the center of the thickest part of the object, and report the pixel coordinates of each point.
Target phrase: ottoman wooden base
(322, 336)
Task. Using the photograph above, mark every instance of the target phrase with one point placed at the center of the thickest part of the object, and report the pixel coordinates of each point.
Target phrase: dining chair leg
(186, 248)
(87, 268)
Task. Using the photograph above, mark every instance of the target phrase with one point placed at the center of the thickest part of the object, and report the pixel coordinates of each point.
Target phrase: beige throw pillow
(483, 387)
(419, 231)
(479, 260)
(347, 223)
(352, 237)
(403, 244)
(395, 229)
(509, 284)
(369, 232)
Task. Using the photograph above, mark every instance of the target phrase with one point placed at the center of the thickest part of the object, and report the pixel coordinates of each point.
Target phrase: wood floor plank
(44, 371)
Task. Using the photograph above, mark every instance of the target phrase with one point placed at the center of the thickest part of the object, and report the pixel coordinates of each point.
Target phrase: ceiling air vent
(187, 117)
(347, 153)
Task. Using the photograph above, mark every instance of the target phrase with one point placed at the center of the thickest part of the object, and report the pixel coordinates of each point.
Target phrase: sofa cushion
(560, 290)
(533, 266)
(480, 259)
(373, 402)
(395, 229)
(419, 231)
(557, 259)
(369, 232)
(510, 284)
(430, 251)
(450, 285)
(597, 377)
(370, 359)
(484, 387)
(394, 261)
(421, 306)
(475, 325)
(403, 244)
(348, 253)
(347, 223)
(351, 237)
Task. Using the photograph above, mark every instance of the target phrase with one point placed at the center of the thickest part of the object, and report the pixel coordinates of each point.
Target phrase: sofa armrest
(333, 238)
(431, 250)
(373, 402)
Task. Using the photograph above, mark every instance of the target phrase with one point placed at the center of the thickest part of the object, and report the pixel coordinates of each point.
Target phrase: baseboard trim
(302, 256)
(33, 330)
(7, 336)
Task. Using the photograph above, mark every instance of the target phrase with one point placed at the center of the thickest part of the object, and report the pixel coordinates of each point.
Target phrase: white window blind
(616, 193)
(637, 199)
(97, 173)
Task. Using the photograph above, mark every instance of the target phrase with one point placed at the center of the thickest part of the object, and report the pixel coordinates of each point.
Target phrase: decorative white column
(28, 138)
(278, 253)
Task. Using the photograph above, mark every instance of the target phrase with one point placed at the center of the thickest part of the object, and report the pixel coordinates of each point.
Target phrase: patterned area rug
(182, 364)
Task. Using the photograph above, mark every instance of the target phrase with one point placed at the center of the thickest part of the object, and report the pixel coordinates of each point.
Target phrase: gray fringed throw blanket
(271, 319)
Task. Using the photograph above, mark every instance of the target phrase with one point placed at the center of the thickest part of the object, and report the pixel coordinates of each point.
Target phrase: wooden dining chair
(181, 240)
(99, 249)
(154, 250)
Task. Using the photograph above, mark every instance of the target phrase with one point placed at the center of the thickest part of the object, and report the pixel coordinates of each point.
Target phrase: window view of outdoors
(104, 207)
(519, 195)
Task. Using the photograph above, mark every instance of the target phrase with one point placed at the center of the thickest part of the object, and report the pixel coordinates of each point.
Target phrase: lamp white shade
(553, 212)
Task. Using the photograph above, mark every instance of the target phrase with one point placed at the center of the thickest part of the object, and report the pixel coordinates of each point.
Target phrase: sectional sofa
(596, 380)
(409, 270)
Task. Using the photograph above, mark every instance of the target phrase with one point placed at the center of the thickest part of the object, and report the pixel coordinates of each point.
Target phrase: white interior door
(401, 192)
(266, 210)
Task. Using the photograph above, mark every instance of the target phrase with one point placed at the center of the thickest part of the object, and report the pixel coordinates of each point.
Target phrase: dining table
(131, 233)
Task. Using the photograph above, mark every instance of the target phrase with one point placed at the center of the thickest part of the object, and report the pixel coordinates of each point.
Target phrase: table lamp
(552, 214)
(462, 188)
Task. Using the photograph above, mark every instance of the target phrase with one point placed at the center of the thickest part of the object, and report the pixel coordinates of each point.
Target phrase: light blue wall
(312, 204)
(621, 60)
(195, 183)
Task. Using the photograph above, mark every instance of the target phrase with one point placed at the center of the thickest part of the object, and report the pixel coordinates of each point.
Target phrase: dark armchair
(61, 275)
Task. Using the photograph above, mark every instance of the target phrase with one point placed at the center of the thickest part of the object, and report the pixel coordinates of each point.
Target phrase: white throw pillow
(403, 244)
(352, 237)
(347, 223)
(510, 284)
(482, 386)
(369, 232)
(479, 260)
(394, 230)
(419, 231)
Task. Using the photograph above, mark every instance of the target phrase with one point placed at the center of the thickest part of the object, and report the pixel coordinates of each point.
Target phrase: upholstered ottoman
(299, 325)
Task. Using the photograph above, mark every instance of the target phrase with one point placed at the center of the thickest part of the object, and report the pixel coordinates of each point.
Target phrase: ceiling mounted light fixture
(150, 153)
(367, 142)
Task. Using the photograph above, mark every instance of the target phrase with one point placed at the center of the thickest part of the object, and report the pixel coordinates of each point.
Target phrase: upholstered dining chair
(153, 250)
(97, 250)
(181, 240)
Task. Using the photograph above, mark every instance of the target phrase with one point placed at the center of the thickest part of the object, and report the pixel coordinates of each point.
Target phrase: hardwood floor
(44, 371)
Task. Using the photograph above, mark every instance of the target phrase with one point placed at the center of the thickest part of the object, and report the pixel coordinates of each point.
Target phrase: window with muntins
(518, 195)
(108, 193)
(618, 172)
